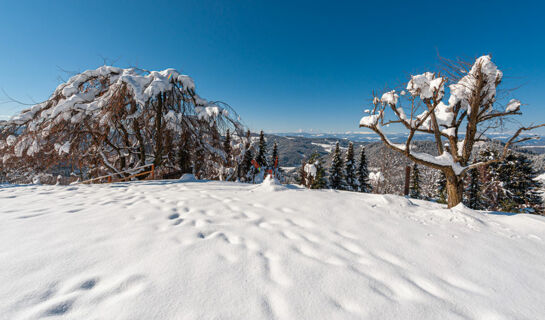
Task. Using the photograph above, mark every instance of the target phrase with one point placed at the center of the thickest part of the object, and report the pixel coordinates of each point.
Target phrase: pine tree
(319, 180)
(350, 169)
(246, 164)
(261, 158)
(227, 147)
(274, 157)
(473, 190)
(336, 178)
(302, 178)
(521, 190)
(363, 173)
(492, 192)
(415, 191)
(441, 188)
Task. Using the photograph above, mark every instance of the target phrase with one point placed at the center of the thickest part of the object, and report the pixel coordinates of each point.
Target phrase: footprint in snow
(59, 309)
(173, 216)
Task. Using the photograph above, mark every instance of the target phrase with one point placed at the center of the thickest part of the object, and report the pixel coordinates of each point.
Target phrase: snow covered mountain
(537, 143)
(216, 250)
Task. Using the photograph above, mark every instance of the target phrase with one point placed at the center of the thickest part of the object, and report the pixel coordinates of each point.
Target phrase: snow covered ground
(213, 250)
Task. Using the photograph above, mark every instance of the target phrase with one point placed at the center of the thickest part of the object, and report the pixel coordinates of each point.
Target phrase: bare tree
(471, 105)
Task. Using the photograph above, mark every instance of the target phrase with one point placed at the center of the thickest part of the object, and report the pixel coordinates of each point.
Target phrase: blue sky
(283, 66)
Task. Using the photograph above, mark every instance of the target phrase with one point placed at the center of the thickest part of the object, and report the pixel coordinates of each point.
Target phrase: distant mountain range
(399, 137)
(536, 145)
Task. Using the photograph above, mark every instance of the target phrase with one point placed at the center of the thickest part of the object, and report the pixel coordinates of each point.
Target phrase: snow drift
(218, 250)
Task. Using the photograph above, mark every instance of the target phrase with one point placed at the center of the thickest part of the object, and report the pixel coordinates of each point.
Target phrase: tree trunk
(158, 132)
(455, 188)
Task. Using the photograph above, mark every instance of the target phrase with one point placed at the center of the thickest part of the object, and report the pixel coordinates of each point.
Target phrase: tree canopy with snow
(110, 119)
(456, 123)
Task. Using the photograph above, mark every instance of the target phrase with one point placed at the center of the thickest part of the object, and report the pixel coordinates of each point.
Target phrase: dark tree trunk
(158, 132)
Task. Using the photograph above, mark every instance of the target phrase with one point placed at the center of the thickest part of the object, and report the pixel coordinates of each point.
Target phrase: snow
(188, 177)
(327, 147)
(78, 101)
(270, 184)
(218, 250)
(390, 98)
(376, 177)
(371, 120)
(513, 106)
(460, 92)
(426, 85)
(444, 159)
(10, 140)
(310, 169)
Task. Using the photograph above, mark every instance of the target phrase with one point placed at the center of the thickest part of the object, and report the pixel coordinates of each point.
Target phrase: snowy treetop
(470, 100)
(119, 118)
(92, 90)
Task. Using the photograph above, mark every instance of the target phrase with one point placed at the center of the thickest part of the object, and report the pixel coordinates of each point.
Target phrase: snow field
(217, 250)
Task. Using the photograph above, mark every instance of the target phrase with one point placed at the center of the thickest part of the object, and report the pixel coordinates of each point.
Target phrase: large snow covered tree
(109, 120)
(456, 124)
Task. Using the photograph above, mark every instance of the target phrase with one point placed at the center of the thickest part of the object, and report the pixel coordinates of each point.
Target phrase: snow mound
(218, 250)
(270, 185)
(188, 177)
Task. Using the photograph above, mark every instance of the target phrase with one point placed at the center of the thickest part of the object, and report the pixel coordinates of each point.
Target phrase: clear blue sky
(283, 66)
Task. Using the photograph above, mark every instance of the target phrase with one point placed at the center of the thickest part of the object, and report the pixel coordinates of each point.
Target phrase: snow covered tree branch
(110, 120)
(422, 109)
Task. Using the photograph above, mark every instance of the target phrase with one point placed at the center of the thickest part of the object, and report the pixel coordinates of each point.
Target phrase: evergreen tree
(415, 191)
(350, 169)
(363, 173)
(261, 158)
(302, 177)
(336, 179)
(319, 180)
(492, 192)
(227, 147)
(274, 157)
(246, 165)
(521, 190)
(473, 190)
(441, 188)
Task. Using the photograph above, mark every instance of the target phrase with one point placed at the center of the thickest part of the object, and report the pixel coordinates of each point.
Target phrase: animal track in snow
(273, 267)
(59, 309)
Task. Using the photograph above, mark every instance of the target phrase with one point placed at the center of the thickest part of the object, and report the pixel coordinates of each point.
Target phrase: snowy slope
(212, 250)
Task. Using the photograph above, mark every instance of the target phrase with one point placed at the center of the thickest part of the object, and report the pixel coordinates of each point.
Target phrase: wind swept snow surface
(217, 250)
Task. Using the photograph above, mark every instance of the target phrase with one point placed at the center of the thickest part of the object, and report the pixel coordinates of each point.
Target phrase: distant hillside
(536, 145)
(294, 149)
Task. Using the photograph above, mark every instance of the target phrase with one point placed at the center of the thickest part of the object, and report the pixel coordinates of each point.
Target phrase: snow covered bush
(456, 123)
(109, 120)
